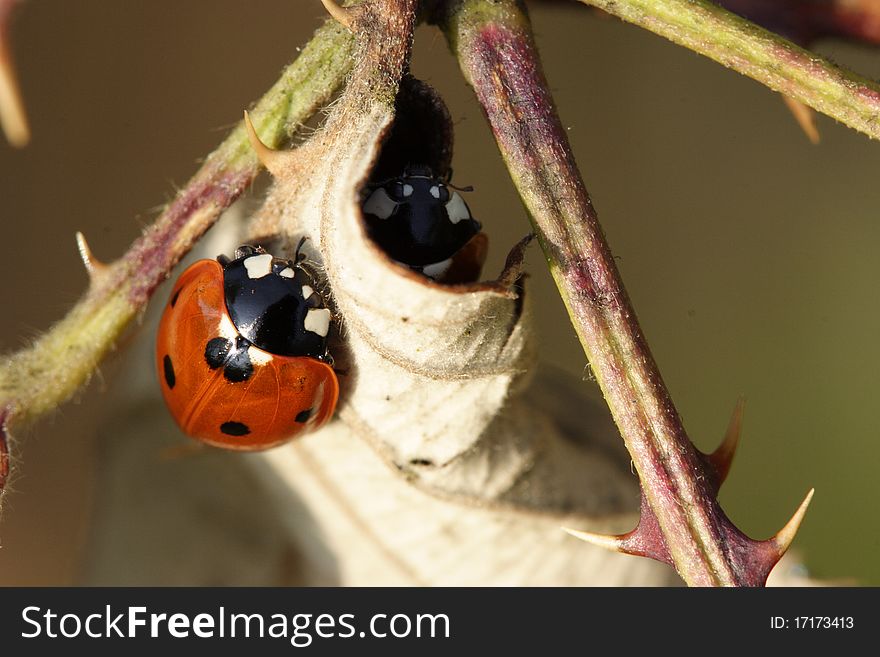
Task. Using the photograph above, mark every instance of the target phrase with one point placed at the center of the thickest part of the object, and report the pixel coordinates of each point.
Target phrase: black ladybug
(418, 219)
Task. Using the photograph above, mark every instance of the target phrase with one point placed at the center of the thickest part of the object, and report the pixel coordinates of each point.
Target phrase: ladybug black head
(417, 219)
(274, 304)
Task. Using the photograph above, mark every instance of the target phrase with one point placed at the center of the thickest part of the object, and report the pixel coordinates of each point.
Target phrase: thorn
(513, 266)
(12, 115)
(646, 540)
(341, 14)
(607, 541)
(785, 536)
(722, 458)
(805, 117)
(93, 266)
(273, 160)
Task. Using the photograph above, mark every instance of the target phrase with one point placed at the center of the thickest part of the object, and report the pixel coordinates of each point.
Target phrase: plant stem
(804, 21)
(710, 30)
(494, 45)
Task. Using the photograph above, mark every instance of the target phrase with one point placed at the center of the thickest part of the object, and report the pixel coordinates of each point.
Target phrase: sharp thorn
(722, 458)
(344, 16)
(270, 158)
(12, 115)
(609, 542)
(805, 117)
(93, 266)
(785, 536)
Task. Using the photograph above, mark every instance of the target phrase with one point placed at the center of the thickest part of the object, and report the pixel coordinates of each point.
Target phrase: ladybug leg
(319, 282)
(300, 258)
(335, 320)
(328, 359)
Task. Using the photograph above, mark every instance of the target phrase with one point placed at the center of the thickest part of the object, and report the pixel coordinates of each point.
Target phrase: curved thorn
(786, 535)
(805, 117)
(341, 14)
(12, 115)
(93, 266)
(722, 458)
(270, 158)
(607, 541)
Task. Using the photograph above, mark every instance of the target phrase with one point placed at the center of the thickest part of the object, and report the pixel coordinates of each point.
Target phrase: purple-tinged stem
(682, 522)
(804, 21)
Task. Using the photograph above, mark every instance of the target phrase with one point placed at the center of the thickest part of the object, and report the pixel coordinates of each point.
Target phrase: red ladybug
(242, 351)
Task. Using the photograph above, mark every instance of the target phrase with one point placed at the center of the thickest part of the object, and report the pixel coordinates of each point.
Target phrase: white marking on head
(407, 190)
(318, 321)
(259, 265)
(435, 191)
(258, 356)
(437, 269)
(380, 204)
(307, 292)
(287, 272)
(456, 209)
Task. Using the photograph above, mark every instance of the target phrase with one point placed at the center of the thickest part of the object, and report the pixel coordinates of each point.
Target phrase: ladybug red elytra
(422, 222)
(242, 351)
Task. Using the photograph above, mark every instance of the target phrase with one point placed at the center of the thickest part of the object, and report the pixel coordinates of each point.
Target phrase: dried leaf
(444, 448)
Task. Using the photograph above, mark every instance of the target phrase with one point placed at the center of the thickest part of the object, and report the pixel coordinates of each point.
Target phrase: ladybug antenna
(298, 255)
(448, 180)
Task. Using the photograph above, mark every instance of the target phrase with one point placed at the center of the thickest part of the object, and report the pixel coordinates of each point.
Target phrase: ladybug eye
(440, 192)
(401, 190)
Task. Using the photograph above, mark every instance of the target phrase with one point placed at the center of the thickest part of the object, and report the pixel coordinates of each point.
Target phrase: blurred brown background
(750, 255)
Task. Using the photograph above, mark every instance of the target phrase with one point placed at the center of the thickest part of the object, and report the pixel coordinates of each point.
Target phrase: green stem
(710, 30)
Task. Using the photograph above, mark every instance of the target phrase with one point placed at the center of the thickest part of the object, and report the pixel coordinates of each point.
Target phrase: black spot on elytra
(421, 462)
(303, 416)
(238, 366)
(234, 429)
(168, 366)
(216, 352)
(174, 298)
(233, 358)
